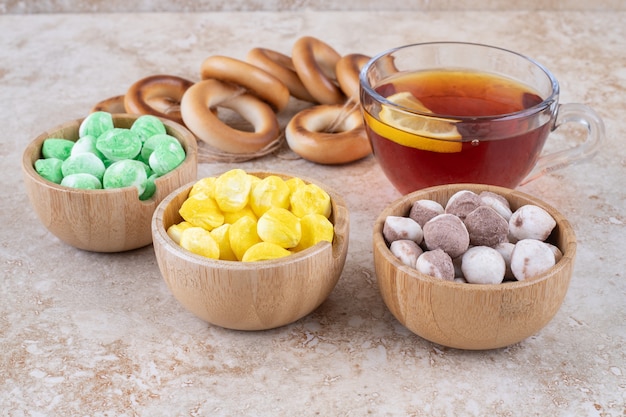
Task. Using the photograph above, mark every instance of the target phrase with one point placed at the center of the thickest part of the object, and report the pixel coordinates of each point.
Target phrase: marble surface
(99, 334)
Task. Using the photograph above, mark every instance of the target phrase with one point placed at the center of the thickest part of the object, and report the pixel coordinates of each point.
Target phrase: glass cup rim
(537, 108)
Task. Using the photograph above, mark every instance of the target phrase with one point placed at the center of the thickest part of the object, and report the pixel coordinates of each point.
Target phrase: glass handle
(571, 113)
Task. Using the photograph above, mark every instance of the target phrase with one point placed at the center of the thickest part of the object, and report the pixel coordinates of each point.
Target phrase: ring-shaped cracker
(328, 134)
(158, 95)
(280, 66)
(254, 79)
(315, 63)
(197, 108)
(348, 70)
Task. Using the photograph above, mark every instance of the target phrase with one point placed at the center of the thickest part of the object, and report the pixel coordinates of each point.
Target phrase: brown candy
(486, 227)
(448, 233)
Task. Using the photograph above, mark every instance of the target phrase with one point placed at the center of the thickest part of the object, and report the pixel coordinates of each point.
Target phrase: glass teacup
(450, 112)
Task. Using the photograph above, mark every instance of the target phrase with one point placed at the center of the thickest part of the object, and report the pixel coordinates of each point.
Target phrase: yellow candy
(204, 186)
(222, 237)
(294, 183)
(176, 230)
(263, 251)
(231, 217)
(279, 226)
(200, 242)
(242, 235)
(271, 191)
(202, 211)
(309, 199)
(232, 190)
(315, 228)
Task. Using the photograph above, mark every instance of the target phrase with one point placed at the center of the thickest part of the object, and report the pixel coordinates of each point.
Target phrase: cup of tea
(453, 112)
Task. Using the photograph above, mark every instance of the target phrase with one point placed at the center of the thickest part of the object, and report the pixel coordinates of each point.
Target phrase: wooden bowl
(250, 295)
(112, 220)
(472, 316)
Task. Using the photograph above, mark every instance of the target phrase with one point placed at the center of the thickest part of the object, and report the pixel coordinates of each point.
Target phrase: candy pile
(105, 156)
(238, 216)
(476, 238)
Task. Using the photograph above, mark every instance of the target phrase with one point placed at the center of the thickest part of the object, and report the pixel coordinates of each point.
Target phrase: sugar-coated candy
(462, 203)
(271, 191)
(315, 228)
(87, 163)
(310, 198)
(221, 234)
(531, 257)
(202, 211)
(50, 169)
(166, 158)
(497, 202)
(126, 173)
(448, 233)
(424, 210)
(95, 124)
(199, 241)
(264, 251)
(483, 265)
(87, 144)
(154, 142)
(83, 181)
(436, 263)
(118, 144)
(56, 148)
(402, 228)
(486, 227)
(242, 235)
(407, 251)
(531, 222)
(232, 190)
(150, 188)
(280, 226)
(175, 231)
(204, 186)
(147, 125)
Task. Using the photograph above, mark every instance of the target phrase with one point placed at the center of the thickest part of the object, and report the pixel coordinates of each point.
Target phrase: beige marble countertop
(100, 335)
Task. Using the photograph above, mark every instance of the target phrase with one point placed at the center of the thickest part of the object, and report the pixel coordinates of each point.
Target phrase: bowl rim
(340, 222)
(34, 148)
(569, 252)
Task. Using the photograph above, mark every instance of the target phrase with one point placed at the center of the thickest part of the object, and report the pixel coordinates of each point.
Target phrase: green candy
(150, 188)
(57, 148)
(86, 163)
(82, 180)
(155, 141)
(50, 169)
(126, 173)
(118, 144)
(95, 124)
(166, 157)
(147, 126)
(86, 144)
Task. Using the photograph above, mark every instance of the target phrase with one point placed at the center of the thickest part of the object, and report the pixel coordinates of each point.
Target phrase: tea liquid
(498, 153)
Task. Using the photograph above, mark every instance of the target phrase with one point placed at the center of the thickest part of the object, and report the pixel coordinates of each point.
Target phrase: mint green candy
(118, 144)
(153, 142)
(83, 181)
(126, 173)
(166, 157)
(57, 148)
(86, 144)
(50, 169)
(86, 163)
(147, 126)
(150, 188)
(95, 124)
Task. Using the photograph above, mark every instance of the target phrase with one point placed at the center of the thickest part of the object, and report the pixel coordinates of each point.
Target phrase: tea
(469, 140)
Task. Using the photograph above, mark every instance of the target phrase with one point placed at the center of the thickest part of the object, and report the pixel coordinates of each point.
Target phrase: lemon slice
(415, 131)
